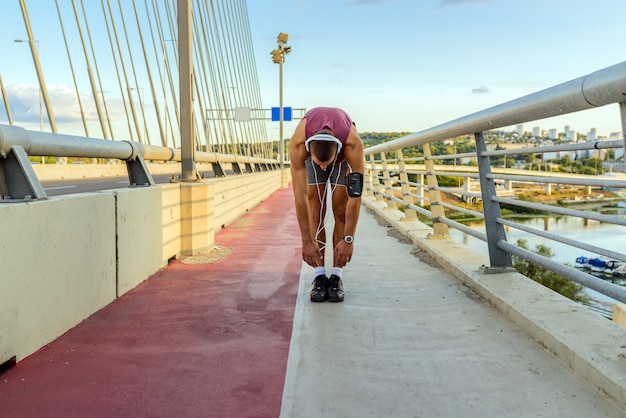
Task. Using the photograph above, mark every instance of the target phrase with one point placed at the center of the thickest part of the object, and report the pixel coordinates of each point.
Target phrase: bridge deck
(239, 338)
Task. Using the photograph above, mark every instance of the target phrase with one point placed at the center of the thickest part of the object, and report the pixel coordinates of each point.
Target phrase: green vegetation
(458, 145)
(498, 140)
(549, 279)
(37, 160)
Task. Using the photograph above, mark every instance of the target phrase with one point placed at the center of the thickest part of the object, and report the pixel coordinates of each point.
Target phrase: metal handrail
(18, 181)
(62, 145)
(597, 89)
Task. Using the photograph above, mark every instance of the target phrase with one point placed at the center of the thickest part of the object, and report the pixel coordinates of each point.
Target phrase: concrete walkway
(412, 341)
(240, 338)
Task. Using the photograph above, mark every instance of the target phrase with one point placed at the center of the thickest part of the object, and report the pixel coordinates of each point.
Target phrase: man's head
(324, 147)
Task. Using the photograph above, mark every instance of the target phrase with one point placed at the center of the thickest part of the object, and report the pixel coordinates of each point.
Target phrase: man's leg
(317, 208)
(339, 201)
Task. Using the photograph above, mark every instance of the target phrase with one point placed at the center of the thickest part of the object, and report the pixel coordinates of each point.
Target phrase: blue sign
(286, 114)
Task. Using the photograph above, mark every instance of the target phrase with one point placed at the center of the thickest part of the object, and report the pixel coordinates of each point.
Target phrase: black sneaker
(335, 289)
(319, 292)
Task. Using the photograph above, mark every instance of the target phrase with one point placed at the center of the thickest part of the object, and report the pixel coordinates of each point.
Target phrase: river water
(596, 233)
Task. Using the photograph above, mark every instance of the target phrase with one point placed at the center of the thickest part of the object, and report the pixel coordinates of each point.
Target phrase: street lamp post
(278, 57)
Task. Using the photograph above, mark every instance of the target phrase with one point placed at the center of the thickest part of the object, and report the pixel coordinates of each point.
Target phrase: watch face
(348, 239)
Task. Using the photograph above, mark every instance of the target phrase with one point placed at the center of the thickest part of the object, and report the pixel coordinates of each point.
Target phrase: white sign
(242, 114)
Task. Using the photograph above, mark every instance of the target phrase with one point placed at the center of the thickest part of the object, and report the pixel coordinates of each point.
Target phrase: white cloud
(481, 90)
(24, 101)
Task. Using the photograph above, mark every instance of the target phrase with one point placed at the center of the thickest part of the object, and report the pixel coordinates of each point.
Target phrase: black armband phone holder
(354, 183)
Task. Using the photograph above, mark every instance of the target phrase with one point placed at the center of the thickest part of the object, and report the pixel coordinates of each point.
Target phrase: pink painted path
(203, 340)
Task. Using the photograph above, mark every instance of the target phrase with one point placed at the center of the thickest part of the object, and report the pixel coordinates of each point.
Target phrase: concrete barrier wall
(57, 267)
(140, 232)
(65, 258)
(236, 195)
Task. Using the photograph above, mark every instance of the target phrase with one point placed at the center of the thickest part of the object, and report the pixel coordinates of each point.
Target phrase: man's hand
(343, 253)
(311, 254)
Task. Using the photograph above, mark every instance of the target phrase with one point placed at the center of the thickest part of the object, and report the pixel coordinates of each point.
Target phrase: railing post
(440, 229)
(500, 260)
(622, 112)
(420, 190)
(387, 184)
(409, 214)
(369, 175)
(18, 181)
(467, 188)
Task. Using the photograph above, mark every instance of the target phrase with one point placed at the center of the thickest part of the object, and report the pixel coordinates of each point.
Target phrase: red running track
(203, 340)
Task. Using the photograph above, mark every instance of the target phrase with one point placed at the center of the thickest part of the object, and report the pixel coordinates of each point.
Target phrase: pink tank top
(331, 118)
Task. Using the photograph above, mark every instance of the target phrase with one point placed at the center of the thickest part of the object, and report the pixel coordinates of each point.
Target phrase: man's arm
(354, 156)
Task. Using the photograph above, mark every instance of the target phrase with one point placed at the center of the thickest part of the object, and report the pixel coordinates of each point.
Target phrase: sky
(409, 65)
(393, 65)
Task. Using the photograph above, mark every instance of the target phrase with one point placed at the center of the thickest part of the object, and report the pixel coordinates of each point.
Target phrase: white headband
(322, 137)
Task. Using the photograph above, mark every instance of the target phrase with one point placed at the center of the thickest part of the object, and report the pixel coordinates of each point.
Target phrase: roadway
(85, 185)
(72, 186)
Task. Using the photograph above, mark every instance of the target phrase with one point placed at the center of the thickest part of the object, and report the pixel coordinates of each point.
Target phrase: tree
(548, 278)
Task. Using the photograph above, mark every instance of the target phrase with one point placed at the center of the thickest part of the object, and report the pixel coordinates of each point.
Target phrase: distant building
(615, 135)
(520, 129)
(547, 156)
(536, 131)
(592, 135)
(571, 135)
(553, 134)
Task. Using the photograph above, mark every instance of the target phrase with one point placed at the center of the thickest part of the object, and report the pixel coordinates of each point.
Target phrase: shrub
(550, 279)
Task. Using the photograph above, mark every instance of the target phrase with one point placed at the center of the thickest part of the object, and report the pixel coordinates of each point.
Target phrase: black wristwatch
(349, 239)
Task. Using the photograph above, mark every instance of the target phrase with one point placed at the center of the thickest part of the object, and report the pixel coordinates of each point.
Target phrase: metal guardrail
(18, 181)
(388, 178)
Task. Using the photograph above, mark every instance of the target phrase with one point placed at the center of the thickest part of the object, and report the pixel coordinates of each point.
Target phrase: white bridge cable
(108, 133)
(170, 12)
(255, 134)
(144, 137)
(260, 133)
(94, 89)
(203, 83)
(217, 60)
(124, 85)
(148, 74)
(153, 90)
(158, 49)
(125, 54)
(211, 130)
(69, 59)
(229, 83)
